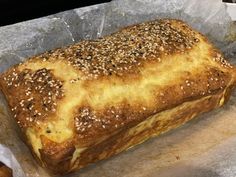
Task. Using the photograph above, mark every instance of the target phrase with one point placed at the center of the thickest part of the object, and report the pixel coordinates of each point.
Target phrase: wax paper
(204, 147)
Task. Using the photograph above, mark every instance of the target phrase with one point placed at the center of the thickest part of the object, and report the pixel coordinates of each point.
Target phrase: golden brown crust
(122, 140)
(37, 92)
(56, 155)
(75, 103)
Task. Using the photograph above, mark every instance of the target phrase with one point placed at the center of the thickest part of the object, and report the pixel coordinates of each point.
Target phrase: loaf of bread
(88, 101)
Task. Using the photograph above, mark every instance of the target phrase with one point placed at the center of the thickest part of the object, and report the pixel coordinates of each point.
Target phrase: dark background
(230, 1)
(12, 11)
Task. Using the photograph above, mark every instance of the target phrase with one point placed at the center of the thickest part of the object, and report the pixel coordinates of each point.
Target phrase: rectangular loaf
(88, 101)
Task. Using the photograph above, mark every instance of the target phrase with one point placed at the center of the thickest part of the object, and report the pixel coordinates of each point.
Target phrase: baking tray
(204, 147)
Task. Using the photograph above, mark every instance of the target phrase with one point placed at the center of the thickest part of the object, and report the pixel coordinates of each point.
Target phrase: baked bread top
(79, 95)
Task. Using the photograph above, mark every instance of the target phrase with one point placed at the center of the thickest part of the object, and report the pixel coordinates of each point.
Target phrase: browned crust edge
(117, 143)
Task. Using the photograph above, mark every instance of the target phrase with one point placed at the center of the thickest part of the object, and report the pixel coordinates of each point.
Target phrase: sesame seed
(121, 52)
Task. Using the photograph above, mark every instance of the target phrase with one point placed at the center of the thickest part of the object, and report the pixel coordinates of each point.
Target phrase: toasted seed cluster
(219, 58)
(87, 118)
(123, 51)
(110, 118)
(38, 92)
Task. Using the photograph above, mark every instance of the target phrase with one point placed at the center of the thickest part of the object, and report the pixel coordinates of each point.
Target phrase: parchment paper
(204, 147)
